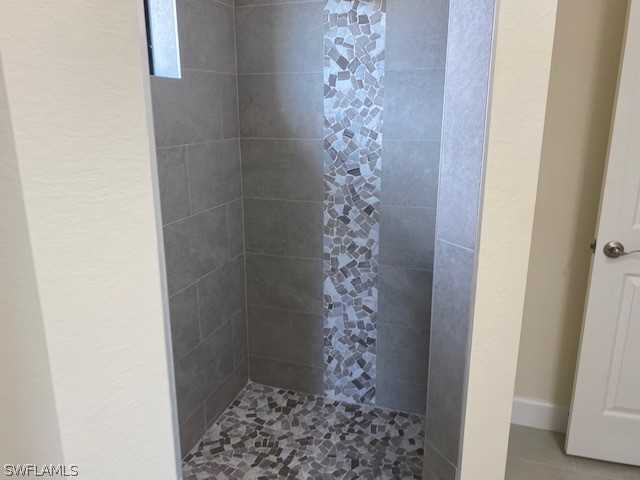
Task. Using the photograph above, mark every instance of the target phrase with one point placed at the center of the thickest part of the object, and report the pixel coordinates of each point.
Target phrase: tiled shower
(298, 160)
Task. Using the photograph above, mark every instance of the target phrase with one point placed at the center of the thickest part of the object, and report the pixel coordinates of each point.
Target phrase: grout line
(186, 155)
(343, 402)
(282, 139)
(276, 3)
(220, 386)
(319, 259)
(456, 245)
(409, 141)
(233, 346)
(441, 454)
(203, 211)
(235, 53)
(408, 327)
(402, 381)
(429, 270)
(199, 319)
(204, 405)
(212, 333)
(387, 409)
(424, 140)
(191, 415)
(246, 74)
(408, 206)
(220, 97)
(226, 223)
(208, 71)
(285, 310)
(205, 275)
(286, 361)
(412, 69)
(536, 462)
(264, 199)
(198, 143)
(222, 3)
(244, 242)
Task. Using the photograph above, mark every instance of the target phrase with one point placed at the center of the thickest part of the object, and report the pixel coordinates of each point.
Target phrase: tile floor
(270, 433)
(539, 455)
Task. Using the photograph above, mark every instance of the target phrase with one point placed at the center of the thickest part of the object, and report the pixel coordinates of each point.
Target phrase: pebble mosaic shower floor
(270, 433)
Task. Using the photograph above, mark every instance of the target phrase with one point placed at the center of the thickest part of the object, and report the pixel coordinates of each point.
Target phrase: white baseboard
(537, 414)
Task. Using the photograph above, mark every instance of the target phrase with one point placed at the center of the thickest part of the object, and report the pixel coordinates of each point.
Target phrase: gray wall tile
(218, 401)
(278, 227)
(464, 120)
(436, 467)
(214, 174)
(229, 105)
(468, 68)
(246, 3)
(203, 370)
(410, 173)
(404, 297)
(282, 169)
(192, 112)
(286, 375)
(467, 84)
(413, 104)
(283, 282)
(206, 34)
(407, 236)
(240, 340)
(402, 396)
(416, 34)
(173, 177)
(403, 353)
(195, 246)
(191, 430)
(281, 105)
(460, 186)
(221, 294)
(285, 335)
(450, 327)
(235, 228)
(280, 38)
(185, 327)
(187, 109)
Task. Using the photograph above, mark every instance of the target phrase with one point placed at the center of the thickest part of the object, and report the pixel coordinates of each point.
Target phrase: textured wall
(466, 92)
(28, 419)
(521, 63)
(196, 123)
(81, 131)
(584, 75)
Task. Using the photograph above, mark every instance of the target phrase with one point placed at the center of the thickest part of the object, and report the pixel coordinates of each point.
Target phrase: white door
(605, 412)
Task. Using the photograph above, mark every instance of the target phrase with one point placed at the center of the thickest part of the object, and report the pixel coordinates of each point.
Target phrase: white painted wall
(522, 59)
(584, 73)
(78, 99)
(27, 408)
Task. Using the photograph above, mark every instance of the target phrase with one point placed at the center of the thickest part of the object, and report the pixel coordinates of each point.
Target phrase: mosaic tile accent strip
(271, 433)
(354, 45)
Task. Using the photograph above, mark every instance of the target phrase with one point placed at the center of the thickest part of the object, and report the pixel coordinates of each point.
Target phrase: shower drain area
(271, 433)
